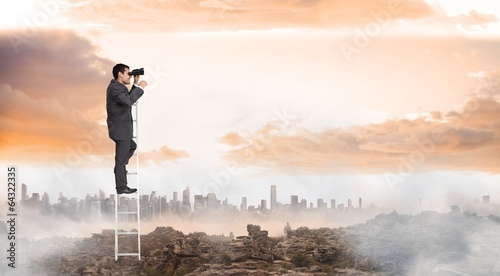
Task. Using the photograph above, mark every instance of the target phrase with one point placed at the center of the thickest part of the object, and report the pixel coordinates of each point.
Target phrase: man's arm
(120, 93)
(141, 84)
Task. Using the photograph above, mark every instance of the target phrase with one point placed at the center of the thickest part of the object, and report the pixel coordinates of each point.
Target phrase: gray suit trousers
(124, 150)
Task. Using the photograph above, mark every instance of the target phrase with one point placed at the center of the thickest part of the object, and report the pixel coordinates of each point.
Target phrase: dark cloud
(53, 100)
(55, 65)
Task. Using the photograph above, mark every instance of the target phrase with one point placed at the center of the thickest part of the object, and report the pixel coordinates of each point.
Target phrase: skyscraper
(35, 197)
(212, 201)
(273, 197)
(24, 192)
(303, 204)
(186, 205)
(295, 202)
(174, 203)
(486, 199)
(321, 204)
(263, 204)
(243, 206)
(200, 202)
(102, 194)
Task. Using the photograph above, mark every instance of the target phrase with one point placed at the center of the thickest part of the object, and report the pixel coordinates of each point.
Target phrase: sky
(390, 101)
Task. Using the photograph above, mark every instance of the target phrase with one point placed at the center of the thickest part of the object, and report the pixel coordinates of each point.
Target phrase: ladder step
(128, 254)
(127, 233)
(132, 173)
(127, 213)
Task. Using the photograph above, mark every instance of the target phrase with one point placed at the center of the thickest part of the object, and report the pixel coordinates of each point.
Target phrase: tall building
(174, 203)
(186, 205)
(295, 202)
(303, 204)
(185, 197)
(243, 206)
(24, 192)
(36, 197)
(263, 204)
(45, 202)
(273, 197)
(333, 204)
(212, 201)
(360, 203)
(200, 202)
(102, 194)
(349, 203)
(62, 199)
(486, 199)
(321, 204)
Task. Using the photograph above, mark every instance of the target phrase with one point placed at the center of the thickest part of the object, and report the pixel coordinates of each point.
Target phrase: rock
(315, 268)
(166, 251)
(324, 253)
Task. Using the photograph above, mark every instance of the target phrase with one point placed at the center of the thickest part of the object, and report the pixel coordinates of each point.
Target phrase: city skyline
(196, 202)
(209, 199)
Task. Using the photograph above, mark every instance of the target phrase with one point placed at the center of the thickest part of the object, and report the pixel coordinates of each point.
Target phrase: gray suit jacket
(119, 103)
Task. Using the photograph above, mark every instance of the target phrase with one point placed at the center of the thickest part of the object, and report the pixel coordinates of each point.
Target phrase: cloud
(214, 15)
(55, 65)
(161, 155)
(474, 18)
(42, 129)
(52, 93)
(53, 100)
(465, 139)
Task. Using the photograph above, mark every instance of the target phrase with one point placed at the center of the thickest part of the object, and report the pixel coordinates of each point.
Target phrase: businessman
(119, 101)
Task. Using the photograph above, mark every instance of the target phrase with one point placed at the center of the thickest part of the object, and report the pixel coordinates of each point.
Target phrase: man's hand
(136, 79)
(143, 84)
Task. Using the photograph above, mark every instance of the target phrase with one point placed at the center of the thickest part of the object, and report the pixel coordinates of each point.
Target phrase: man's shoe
(127, 190)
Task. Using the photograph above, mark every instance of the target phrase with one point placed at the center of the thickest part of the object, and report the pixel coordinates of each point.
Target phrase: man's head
(120, 73)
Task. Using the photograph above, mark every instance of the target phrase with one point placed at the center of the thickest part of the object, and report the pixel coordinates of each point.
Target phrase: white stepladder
(126, 213)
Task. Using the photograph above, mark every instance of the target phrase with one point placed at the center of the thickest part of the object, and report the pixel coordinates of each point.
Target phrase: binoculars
(136, 72)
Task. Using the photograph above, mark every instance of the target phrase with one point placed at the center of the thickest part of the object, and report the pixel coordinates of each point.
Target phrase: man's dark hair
(120, 67)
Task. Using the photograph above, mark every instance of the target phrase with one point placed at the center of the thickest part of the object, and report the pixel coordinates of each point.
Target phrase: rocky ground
(390, 244)
(166, 251)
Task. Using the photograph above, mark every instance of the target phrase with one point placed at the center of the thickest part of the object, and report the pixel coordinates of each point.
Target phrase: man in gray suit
(119, 103)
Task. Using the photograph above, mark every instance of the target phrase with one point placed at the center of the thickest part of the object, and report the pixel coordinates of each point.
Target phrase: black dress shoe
(127, 190)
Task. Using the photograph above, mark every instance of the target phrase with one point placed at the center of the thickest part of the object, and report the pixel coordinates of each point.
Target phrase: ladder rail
(127, 212)
(137, 181)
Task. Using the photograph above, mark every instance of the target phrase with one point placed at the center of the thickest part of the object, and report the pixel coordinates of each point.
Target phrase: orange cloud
(474, 18)
(163, 154)
(43, 129)
(466, 139)
(209, 15)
